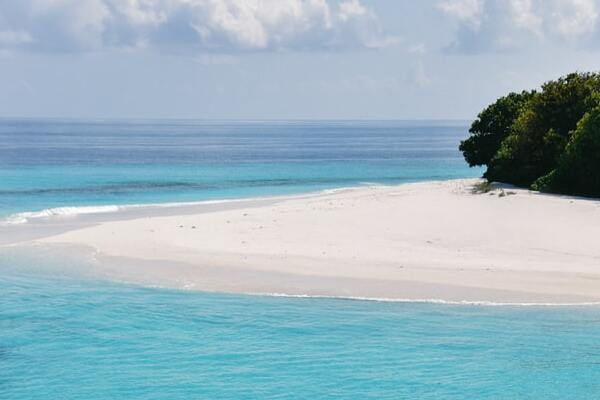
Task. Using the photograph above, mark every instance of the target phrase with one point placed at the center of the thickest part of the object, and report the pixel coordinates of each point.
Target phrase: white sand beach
(433, 240)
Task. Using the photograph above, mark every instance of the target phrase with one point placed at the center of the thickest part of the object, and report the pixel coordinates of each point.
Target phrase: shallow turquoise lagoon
(71, 337)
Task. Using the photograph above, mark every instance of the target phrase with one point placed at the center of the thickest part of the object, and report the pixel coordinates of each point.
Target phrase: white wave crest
(432, 301)
(25, 217)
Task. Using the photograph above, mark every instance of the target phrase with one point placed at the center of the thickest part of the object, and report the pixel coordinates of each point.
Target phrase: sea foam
(431, 300)
(73, 211)
(29, 216)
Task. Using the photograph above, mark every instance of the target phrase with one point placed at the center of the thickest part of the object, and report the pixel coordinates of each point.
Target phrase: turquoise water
(77, 338)
(49, 164)
(65, 333)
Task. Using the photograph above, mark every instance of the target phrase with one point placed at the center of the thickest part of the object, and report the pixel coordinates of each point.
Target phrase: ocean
(56, 164)
(65, 333)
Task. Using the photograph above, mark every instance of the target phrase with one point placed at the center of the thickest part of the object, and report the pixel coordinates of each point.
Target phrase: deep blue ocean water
(67, 334)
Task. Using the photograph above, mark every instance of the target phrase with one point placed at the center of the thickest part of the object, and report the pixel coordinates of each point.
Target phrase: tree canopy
(548, 140)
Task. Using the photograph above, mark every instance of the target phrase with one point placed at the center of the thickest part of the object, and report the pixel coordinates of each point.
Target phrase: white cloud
(351, 9)
(144, 12)
(255, 24)
(524, 16)
(492, 25)
(215, 25)
(574, 18)
(468, 11)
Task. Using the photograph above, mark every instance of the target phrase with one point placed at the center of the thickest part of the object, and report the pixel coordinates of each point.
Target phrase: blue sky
(284, 59)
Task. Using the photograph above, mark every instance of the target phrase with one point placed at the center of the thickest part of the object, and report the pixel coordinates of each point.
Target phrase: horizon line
(167, 119)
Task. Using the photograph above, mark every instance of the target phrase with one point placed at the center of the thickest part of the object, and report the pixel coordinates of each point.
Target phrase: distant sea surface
(66, 333)
(52, 164)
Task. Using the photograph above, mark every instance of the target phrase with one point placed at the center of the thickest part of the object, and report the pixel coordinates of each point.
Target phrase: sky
(284, 59)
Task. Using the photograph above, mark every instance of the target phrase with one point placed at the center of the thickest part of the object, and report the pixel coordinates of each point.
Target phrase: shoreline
(123, 211)
(86, 263)
(21, 227)
(410, 242)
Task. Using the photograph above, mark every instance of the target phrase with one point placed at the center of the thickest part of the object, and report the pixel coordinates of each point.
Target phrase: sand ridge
(420, 240)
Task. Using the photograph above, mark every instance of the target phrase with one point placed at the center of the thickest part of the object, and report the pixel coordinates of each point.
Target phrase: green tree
(543, 128)
(578, 170)
(490, 128)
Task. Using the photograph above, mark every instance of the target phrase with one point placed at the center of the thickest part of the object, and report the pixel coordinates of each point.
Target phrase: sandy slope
(423, 240)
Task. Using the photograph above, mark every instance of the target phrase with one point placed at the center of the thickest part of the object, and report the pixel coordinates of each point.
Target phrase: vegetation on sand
(547, 140)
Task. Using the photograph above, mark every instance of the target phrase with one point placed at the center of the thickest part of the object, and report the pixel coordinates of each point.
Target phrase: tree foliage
(538, 138)
(578, 170)
(491, 127)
